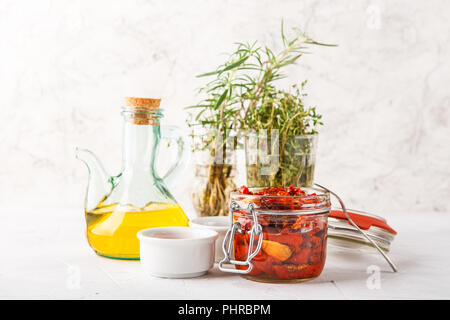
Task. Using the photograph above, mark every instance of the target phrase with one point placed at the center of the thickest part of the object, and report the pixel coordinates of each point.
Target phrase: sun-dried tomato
(244, 190)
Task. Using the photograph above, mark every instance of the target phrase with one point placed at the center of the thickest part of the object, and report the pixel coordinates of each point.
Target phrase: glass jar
(274, 160)
(215, 173)
(286, 236)
(211, 189)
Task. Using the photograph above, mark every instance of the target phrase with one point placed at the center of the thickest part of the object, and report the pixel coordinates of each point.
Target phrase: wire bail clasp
(227, 244)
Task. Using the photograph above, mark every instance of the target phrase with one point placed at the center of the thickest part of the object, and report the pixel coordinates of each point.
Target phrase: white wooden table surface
(44, 255)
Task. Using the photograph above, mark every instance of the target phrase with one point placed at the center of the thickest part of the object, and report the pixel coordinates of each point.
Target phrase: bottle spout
(99, 184)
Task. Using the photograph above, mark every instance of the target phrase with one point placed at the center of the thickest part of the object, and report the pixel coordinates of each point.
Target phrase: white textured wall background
(384, 92)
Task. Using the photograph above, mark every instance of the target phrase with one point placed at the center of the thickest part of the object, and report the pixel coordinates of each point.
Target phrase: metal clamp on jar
(227, 244)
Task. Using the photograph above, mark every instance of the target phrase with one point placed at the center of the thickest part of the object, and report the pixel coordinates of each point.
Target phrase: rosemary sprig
(242, 93)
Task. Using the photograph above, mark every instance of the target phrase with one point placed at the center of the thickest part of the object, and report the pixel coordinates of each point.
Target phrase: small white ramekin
(218, 224)
(177, 252)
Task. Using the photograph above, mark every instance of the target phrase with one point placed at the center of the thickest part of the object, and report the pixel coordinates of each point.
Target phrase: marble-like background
(384, 92)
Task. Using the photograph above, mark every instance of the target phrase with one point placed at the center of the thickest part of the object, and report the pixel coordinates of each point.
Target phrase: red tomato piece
(301, 256)
(244, 190)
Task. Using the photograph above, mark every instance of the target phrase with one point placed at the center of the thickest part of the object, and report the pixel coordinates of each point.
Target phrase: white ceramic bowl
(218, 224)
(177, 252)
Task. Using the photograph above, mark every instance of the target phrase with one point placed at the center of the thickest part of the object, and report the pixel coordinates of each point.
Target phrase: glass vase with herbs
(281, 148)
(215, 171)
(279, 131)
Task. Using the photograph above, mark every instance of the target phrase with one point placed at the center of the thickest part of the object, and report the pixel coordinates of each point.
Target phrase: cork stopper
(141, 111)
(142, 102)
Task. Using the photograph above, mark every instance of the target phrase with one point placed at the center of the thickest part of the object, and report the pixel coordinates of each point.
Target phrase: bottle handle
(177, 135)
